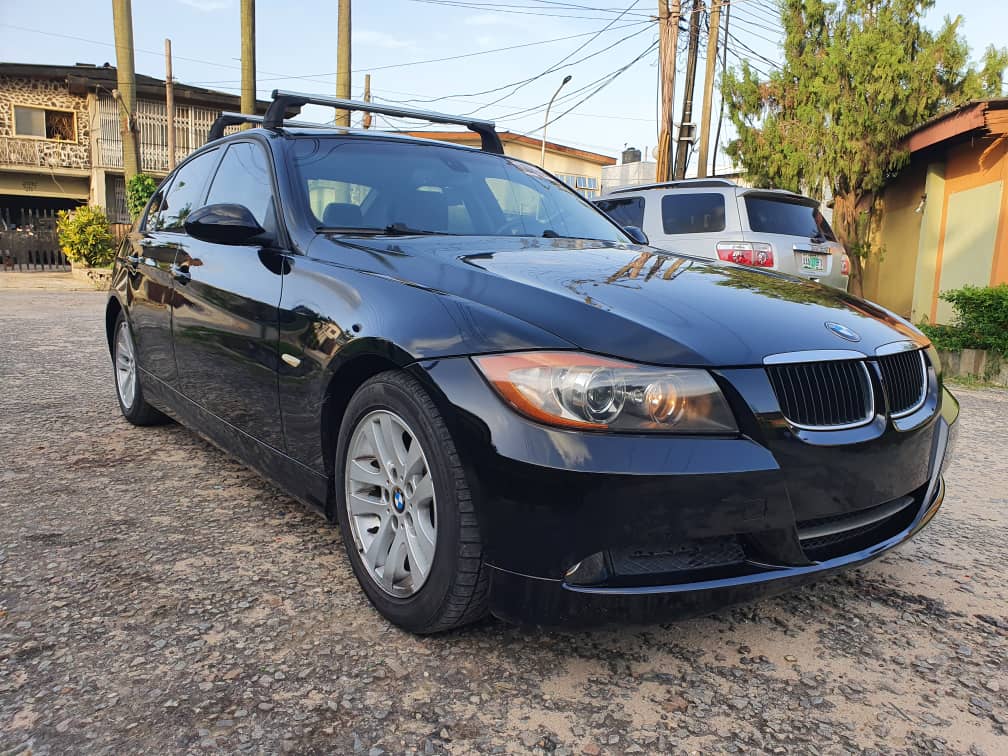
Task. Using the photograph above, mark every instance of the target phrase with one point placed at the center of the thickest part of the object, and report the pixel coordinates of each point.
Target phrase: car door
(149, 259)
(224, 318)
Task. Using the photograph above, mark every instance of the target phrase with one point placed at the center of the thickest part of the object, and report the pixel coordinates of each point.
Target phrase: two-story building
(60, 144)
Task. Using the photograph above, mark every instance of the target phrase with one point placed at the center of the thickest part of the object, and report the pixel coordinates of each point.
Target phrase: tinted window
(693, 213)
(185, 193)
(774, 216)
(371, 185)
(243, 178)
(627, 211)
(153, 220)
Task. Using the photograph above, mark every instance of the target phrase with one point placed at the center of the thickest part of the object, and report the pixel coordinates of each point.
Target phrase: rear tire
(127, 378)
(401, 493)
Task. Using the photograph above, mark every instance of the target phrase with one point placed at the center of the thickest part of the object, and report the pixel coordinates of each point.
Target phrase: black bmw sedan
(508, 403)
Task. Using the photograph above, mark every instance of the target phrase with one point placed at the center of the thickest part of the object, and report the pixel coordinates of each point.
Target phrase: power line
(498, 8)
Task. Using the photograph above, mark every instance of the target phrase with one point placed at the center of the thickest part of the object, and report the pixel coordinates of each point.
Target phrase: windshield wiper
(401, 229)
(393, 229)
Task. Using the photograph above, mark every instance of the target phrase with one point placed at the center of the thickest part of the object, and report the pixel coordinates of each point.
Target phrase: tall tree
(857, 76)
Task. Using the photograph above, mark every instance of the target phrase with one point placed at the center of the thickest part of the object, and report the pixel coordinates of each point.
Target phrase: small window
(769, 215)
(626, 211)
(693, 213)
(185, 193)
(153, 220)
(243, 178)
(44, 123)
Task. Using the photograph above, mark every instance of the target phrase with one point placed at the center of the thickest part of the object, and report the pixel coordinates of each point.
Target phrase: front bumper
(584, 528)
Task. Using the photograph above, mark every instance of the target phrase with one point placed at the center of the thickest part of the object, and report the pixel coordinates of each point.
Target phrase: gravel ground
(157, 596)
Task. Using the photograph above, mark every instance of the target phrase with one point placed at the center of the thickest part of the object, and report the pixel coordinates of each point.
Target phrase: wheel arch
(112, 310)
(368, 360)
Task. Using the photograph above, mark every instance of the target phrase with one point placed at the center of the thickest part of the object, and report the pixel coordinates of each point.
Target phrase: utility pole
(686, 126)
(668, 40)
(343, 59)
(724, 67)
(705, 117)
(248, 55)
(169, 84)
(125, 94)
(366, 119)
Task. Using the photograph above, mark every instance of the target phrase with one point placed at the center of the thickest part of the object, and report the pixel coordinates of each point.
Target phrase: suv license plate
(814, 262)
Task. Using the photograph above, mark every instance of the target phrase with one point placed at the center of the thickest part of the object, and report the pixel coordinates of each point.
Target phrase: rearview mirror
(635, 233)
(224, 224)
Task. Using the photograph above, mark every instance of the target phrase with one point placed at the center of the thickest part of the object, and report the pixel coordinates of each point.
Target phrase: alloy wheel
(125, 365)
(390, 501)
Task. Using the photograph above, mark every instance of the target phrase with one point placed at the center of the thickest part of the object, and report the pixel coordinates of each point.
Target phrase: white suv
(716, 218)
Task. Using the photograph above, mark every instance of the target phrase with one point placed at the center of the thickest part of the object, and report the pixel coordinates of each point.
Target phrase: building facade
(579, 169)
(945, 216)
(60, 144)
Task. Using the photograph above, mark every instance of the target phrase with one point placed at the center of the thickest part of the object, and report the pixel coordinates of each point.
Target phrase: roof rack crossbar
(228, 118)
(283, 101)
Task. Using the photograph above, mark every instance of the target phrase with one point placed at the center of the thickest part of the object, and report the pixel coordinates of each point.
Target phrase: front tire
(127, 379)
(405, 509)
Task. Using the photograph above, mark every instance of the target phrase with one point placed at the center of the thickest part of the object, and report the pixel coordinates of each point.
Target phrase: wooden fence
(28, 241)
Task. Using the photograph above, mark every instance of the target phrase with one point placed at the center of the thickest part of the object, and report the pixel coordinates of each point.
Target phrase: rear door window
(186, 192)
(699, 213)
(769, 215)
(627, 211)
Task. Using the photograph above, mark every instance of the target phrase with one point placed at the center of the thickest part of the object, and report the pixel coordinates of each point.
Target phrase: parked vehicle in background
(717, 218)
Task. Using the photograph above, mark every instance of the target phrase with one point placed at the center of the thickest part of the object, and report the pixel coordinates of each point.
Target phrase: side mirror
(635, 233)
(223, 224)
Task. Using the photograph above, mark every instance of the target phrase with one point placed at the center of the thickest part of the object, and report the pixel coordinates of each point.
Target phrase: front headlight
(574, 390)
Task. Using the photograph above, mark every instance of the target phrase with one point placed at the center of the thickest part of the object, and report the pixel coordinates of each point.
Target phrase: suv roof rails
(283, 101)
(227, 118)
(701, 183)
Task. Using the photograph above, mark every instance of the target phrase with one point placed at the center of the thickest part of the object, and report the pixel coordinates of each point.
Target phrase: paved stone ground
(157, 596)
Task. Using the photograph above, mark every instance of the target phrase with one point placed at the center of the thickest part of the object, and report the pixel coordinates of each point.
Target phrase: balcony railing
(42, 153)
(191, 127)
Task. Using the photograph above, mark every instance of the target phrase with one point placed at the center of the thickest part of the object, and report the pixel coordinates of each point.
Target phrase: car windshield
(378, 186)
(780, 216)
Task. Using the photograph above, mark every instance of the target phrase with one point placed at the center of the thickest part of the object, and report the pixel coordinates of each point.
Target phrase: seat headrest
(342, 215)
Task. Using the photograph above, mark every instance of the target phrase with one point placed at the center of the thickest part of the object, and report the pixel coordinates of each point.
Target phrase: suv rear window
(769, 215)
(627, 211)
(693, 213)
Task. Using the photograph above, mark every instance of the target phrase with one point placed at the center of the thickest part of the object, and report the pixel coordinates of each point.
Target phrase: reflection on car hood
(636, 302)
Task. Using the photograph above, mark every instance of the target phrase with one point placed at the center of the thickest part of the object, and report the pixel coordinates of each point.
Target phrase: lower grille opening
(829, 537)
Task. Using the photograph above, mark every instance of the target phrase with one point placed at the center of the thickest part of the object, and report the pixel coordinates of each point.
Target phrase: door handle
(181, 273)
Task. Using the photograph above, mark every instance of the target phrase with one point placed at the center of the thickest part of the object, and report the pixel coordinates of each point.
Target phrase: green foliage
(981, 320)
(139, 190)
(857, 76)
(85, 236)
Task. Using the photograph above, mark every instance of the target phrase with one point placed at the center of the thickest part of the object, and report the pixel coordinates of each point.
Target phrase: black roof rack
(227, 118)
(699, 183)
(284, 101)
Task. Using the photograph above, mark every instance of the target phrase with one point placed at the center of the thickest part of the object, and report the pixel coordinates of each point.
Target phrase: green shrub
(981, 320)
(85, 236)
(139, 190)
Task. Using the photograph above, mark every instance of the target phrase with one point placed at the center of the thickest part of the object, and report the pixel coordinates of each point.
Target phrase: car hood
(638, 303)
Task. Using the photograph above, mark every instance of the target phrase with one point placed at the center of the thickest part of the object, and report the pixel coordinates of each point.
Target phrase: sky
(399, 42)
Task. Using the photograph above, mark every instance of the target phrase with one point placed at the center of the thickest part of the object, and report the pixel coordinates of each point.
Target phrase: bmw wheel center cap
(399, 501)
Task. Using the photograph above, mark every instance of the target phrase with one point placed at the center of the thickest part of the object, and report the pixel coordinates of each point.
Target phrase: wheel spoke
(378, 444)
(379, 546)
(412, 464)
(392, 438)
(424, 491)
(361, 505)
(364, 474)
(394, 567)
(421, 553)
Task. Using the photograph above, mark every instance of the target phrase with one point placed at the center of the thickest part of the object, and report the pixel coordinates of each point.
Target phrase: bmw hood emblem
(843, 331)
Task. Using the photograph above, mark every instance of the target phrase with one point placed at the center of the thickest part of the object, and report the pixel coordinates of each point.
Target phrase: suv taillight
(844, 265)
(746, 253)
